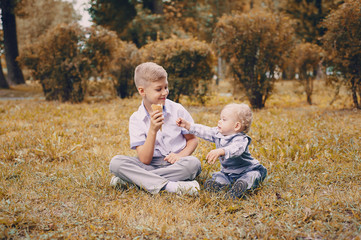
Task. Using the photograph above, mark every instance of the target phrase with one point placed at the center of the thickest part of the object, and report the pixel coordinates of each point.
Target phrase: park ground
(54, 178)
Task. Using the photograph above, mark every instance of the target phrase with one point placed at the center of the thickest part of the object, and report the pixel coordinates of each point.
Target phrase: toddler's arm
(213, 155)
(202, 131)
(181, 122)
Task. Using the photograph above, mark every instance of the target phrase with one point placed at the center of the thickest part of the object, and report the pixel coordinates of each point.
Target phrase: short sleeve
(137, 132)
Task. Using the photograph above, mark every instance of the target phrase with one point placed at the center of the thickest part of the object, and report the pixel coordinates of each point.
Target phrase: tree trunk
(309, 89)
(254, 94)
(158, 6)
(219, 70)
(359, 92)
(354, 93)
(307, 82)
(3, 82)
(256, 100)
(155, 6)
(15, 75)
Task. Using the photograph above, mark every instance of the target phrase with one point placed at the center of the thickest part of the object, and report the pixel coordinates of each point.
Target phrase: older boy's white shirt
(170, 139)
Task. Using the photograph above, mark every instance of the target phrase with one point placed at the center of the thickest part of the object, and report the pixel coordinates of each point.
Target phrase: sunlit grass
(54, 178)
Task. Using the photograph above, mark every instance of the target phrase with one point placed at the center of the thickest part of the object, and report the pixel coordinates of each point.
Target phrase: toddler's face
(227, 125)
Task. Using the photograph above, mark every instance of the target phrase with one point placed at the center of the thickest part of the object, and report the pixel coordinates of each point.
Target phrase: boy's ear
(238, 126)
(141, 91)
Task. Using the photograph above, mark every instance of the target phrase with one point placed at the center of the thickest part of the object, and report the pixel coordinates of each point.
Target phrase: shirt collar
(144, 113)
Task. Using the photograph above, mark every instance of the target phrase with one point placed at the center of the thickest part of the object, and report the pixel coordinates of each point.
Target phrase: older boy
(240, 171)
(164, 161)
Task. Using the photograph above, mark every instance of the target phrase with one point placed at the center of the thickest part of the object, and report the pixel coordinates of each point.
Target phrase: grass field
(54, 178)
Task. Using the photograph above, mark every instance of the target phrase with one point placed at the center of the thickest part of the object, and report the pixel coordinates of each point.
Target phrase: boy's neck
(147, 108)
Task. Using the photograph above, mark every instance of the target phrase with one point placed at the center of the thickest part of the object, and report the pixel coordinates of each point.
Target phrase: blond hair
(243, 114)
(148, 72)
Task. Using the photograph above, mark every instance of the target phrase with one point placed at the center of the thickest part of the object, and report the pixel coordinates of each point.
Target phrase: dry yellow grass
(54, 178)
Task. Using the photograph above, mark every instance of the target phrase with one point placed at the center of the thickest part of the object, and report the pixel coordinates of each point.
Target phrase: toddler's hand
(181, 122)
(213, 155)
(172, 158)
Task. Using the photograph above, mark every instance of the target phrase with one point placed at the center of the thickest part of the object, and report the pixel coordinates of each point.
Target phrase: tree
(155, 6)
(306, 58)
(3, 82)
(150, 20)
(146, 28)
(112, 14)
(254, 44)
(116, 14)
(15, 75)
(342, 42)
(53, 12)
(308, 15)
(198, 17)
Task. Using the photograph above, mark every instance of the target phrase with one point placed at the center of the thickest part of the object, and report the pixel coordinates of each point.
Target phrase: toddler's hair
(148, 72)
(243, 113)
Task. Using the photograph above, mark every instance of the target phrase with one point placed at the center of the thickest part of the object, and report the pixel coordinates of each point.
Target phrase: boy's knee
(192, 164)
(115, 162)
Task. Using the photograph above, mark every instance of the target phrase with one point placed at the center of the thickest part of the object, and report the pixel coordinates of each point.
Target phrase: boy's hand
(156, 120)
(172, 158)
(181, 122)
(213, 155)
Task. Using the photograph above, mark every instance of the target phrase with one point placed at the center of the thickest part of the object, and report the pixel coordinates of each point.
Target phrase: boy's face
(154, 93)
(228, 124)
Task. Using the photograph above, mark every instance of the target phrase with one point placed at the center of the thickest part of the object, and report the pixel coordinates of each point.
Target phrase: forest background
(296, 62)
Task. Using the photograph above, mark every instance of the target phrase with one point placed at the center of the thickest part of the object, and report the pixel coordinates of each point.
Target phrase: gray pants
(157, 174)
(253, 177)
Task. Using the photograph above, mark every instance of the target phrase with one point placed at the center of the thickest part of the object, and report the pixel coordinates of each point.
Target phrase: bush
(57, 61)
(122, 69)
(342, 42)
(189, 64)
(111, 58)
(306, 58)
(99, 48)
(254, 44)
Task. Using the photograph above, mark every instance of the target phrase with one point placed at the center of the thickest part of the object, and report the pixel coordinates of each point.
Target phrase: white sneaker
(188, 188)
(117, 182)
